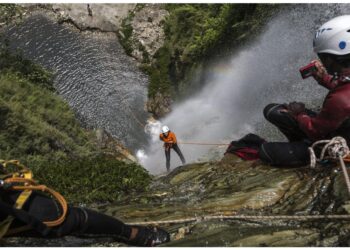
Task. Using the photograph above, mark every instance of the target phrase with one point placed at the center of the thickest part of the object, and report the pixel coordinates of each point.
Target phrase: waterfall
(107, 90)
(238, 88)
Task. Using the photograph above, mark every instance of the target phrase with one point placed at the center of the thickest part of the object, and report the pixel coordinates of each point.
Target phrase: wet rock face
(147, 31)
(230, 187)
(103, 17)
(159, 105)
(233, 186)
(110, 146)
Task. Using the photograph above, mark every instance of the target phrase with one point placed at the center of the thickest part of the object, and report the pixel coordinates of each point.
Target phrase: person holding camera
(302, 126)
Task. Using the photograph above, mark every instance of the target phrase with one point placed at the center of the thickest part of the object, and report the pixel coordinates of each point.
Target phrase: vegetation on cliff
(38, 128)
(9, 13)
(195, 34)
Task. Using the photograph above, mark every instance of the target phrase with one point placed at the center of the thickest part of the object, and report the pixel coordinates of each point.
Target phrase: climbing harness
(205, 143)
(22, 180)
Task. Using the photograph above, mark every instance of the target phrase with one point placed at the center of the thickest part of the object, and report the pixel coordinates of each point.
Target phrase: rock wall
(232, 186)
(148, 31)
(103, 17)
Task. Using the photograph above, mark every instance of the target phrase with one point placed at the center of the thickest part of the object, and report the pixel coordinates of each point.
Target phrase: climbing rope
(345, 172)
(244, 217)
(204, 143)
(335, 147)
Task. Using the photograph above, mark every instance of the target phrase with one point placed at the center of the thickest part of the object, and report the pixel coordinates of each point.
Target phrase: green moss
(194, 33)
(92, 179)
(125, 33)
(9, 11)
(23, 68)
(38, 128)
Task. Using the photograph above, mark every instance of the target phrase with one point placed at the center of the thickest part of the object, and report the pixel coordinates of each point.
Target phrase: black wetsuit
(79, 221)
(292, 153)
(295, 152)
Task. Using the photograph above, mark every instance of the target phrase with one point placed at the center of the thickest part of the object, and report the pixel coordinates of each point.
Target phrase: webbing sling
(5, 224)
(24, 217)
(22, 180)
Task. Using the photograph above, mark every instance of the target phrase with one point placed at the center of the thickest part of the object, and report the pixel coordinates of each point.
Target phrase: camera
(307, 70)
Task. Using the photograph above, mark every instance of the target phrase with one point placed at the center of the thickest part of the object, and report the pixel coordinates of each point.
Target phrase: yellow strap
(24, 172)
(23, 181)
(22, 198)
(5, 224)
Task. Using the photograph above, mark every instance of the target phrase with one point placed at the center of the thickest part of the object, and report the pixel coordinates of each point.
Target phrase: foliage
(23, 68)
(92, 179)
(125, 33)
(34, 121)
(196, 32)
(38, 128)
(8, 12)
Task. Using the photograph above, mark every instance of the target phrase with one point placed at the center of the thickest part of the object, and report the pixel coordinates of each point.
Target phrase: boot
(149, 237)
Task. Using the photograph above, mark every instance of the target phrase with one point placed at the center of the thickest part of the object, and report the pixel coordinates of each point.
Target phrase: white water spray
(238, 88)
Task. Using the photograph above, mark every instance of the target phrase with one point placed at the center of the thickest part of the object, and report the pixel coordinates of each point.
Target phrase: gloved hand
(295, 108)
(321, 70)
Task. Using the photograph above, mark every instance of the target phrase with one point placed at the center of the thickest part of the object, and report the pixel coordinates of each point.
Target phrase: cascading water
(92, 73)
(107, 90)
(238, 88)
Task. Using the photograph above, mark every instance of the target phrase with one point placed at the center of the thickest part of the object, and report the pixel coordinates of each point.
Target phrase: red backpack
(246, 148)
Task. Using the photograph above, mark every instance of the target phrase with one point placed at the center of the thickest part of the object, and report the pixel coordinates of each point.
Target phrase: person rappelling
(170, 142)
(301, 126)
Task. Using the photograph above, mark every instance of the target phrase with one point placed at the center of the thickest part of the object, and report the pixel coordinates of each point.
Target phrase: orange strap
(347, 158)
(32, 185)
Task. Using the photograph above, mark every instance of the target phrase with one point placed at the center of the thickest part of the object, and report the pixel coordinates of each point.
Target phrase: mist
(238, 88)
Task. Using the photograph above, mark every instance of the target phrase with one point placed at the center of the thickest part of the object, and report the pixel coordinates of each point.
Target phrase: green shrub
(195, 33)
(38, 128)
(92, 179)
(9, 11)
(15, 63)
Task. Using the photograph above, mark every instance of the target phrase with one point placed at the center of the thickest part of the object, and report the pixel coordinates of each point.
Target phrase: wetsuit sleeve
(327, 120)
(327, 81)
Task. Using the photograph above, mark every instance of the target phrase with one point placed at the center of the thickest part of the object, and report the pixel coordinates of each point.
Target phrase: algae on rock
(232, 186)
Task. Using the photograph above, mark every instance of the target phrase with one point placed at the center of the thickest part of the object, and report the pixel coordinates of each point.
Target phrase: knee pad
(268, 109)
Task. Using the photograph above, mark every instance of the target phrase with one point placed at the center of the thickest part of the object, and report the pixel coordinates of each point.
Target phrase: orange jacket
(171, 138)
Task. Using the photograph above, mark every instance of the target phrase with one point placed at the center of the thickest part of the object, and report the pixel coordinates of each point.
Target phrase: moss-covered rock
(38, 128)
(232, 186)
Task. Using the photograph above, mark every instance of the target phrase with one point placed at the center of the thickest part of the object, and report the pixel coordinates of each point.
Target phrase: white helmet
(333, 37)
(165, 129)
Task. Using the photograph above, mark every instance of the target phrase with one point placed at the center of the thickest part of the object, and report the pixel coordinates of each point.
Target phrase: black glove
(295, 108)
